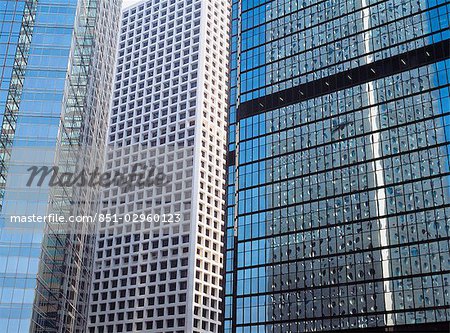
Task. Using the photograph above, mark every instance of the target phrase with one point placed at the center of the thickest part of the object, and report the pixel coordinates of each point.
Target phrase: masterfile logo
(142, 175)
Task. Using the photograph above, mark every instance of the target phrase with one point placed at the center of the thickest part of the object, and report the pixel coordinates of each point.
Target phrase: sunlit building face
(160, 267)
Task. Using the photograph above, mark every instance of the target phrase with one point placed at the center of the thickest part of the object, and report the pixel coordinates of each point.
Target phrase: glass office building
(56, 70)
(338, 191)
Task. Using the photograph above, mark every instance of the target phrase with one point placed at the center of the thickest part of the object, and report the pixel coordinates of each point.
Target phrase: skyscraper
(158, 262)
(338, 211)
(56, 78)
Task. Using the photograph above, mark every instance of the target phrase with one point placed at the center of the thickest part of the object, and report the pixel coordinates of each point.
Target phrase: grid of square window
(168, 111)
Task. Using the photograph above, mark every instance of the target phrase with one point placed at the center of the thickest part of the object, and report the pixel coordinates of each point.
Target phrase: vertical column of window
(15, 91)
(11, 13)
(252, 57)
(228, 316)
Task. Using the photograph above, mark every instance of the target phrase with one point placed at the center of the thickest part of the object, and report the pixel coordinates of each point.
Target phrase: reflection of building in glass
(153, 271)
(338, 199)
(55, 89)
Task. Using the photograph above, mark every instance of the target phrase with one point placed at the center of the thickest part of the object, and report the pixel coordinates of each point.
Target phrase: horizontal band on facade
(437, 327)
(379, 69)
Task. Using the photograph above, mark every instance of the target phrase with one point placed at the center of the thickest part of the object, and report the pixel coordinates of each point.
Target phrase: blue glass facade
(229, 264)
(338, 195)
(21, 246)
(10, 22)
(48, 61)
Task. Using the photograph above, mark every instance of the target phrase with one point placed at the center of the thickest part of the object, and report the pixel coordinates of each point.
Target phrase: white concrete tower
(169, 110)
